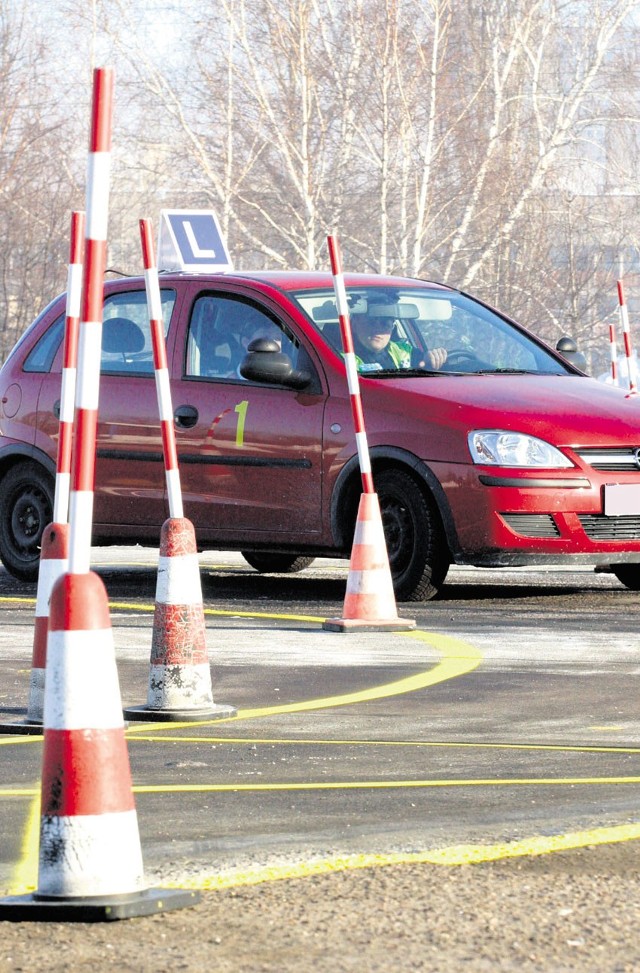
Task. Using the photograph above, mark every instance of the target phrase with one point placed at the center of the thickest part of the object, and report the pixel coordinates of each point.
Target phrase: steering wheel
(460, 356)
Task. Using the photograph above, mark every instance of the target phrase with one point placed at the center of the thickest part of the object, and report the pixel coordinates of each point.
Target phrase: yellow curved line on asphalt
(454, 855)
(24, 877)
(458, 659)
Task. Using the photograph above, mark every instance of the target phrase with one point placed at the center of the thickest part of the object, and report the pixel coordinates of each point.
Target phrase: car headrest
(121, 335)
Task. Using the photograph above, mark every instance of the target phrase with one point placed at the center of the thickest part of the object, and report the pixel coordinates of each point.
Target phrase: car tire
(269, 563)
(416, 546)
(26, 507)
(628, 575)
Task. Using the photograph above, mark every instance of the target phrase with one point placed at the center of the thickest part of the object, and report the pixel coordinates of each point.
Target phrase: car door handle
(185, 416)
(56, 408)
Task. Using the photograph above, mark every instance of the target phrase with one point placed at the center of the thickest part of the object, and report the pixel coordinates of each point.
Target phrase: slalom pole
(163, 389)
(90, 331)
(369, 603)
(350, 362)
(626, 334)
(614, 353)
(69, 370)
(179, 672)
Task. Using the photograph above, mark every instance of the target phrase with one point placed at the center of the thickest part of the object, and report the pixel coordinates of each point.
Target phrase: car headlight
(497, 447)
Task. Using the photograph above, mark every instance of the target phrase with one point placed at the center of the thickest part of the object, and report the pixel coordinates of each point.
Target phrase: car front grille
(532, 525)
(618, 459)
(601, 528)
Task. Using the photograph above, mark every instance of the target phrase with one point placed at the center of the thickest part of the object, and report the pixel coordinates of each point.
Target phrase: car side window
(127, 345)
(220, 331)
(126, 335)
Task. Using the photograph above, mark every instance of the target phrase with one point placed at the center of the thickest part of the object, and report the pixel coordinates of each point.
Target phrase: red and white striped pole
(369, 603)
(55, 537)
(69, 370)
(350, 362)
(626, 334)
(179, 674)
(163, 389)
(614, 352)
(90, 331)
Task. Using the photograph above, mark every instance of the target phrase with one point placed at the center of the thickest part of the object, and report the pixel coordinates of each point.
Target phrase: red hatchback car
(487, 446)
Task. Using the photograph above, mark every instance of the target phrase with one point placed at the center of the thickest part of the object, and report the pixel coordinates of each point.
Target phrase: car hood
(566, 410)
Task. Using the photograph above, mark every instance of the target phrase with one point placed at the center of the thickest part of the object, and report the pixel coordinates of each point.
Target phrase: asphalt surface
(507, 726)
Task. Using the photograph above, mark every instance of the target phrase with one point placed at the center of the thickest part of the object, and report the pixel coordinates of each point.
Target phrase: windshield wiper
(396, 372)
(505, 371)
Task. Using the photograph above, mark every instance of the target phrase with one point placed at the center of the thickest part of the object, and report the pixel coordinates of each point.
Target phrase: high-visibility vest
(399, 352)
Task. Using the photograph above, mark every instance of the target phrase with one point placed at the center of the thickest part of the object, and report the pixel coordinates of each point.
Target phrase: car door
(249, 454)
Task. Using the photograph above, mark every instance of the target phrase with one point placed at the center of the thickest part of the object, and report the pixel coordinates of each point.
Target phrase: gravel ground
(575, 910)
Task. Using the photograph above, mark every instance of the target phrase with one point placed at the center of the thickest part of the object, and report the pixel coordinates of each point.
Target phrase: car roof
(291, 280)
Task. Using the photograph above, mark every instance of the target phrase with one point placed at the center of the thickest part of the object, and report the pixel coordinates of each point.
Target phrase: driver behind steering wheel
(376, 350)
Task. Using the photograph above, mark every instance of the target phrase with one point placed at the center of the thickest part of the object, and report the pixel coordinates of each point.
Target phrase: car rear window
(126, 335)
(40, 358)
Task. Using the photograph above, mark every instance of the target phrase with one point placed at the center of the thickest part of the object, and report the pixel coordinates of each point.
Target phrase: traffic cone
(54, 555)
(90, 860)
(369, 604)
(180, 676)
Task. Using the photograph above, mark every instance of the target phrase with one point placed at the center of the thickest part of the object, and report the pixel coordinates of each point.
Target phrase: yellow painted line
(7, 740)
(459, 658)
(452, 856)
(355, 785)
(147, 608)
(218, 612)
(24, 878)
(416, 744)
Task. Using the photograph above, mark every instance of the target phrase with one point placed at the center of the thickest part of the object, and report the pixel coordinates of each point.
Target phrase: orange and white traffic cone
(180, 676)
(90, 860)
(369, 604)
(54, 559)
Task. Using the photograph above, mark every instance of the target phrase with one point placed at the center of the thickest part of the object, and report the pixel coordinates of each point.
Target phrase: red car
(488, 447)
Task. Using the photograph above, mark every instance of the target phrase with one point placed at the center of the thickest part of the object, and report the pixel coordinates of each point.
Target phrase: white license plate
(621, 499)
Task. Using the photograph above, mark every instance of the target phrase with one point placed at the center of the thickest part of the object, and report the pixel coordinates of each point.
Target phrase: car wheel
(26, 507)
(417, 549)
(628, 575)
(268, 563)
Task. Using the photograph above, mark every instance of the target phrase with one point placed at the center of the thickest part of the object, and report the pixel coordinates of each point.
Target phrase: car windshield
(413, 331)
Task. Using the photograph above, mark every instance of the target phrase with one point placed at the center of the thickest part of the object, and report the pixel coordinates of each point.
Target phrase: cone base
(369, 625)
(23, 726)
(25, 908)
(215, 712)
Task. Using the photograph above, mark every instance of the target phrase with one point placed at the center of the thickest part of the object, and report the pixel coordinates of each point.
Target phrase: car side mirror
(264, 362)
(568, 348)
